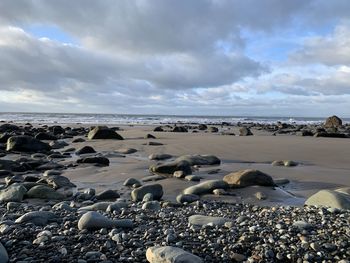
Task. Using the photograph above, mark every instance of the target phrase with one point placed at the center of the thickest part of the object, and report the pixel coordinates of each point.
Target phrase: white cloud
(174, 56)
(333, 49)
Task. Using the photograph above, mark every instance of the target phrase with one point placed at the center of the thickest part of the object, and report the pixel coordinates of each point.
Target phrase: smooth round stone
(200, 220)
(147, 197)
(187, 198)
(151, 205)
(94, 220)
(155, 189)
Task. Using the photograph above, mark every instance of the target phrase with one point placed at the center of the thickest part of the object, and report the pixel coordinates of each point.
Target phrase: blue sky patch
(51, 32)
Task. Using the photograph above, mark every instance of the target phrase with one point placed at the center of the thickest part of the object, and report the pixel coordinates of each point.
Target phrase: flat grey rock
(13, 193)
(201, 220)
(39, 218)
(330, 198)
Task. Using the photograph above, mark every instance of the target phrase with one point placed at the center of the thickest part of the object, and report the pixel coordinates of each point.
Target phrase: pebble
(240, 232)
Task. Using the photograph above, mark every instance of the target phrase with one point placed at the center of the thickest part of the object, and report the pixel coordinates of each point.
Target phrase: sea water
(86, 118)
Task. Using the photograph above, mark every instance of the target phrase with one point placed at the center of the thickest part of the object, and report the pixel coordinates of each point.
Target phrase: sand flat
(324, 162)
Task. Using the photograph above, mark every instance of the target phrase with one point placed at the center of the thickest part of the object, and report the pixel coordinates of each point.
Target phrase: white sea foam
(51, 118)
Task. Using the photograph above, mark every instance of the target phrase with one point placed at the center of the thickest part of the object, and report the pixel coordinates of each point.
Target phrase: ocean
(74, 118)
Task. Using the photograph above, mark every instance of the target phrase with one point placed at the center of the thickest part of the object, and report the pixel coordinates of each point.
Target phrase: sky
(184, 57)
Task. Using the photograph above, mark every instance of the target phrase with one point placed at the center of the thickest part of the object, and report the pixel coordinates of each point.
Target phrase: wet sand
(323, 162)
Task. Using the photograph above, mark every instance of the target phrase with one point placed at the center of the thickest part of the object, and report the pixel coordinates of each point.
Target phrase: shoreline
(211, 152)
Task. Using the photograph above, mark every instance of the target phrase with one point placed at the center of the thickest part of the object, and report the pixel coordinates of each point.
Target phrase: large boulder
(168, 254)
(94, 221)
(199, 159)
(4, 257)
(8, 127)
(155, 189)
(103, 132)
(248, 177)
(206, 187)
(330, 198)
(201, 220)
(24, 143)
(44, 192)
(171, 167)
(13, 193)
(39, 218)
(333, 122)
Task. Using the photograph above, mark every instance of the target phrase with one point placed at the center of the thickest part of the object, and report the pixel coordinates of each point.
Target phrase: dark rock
(25, 143)
(7, 127)
(4, 173)
(202, 127)
(4, 137)
(330, 135)
(94, 160)
(45, 136)
(170, 168)
(305, 133)
(199, 159)
(158, 129)
(154, 143)
(103, 132)
(179, 129)
(85, 150)
(213, 129)
(107, 195)
(150, 136)
(78, 140)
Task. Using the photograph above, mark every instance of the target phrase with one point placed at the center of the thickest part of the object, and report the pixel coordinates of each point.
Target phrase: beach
(286, 169)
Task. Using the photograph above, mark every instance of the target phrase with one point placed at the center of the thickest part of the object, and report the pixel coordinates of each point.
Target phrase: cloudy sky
(215, 57)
